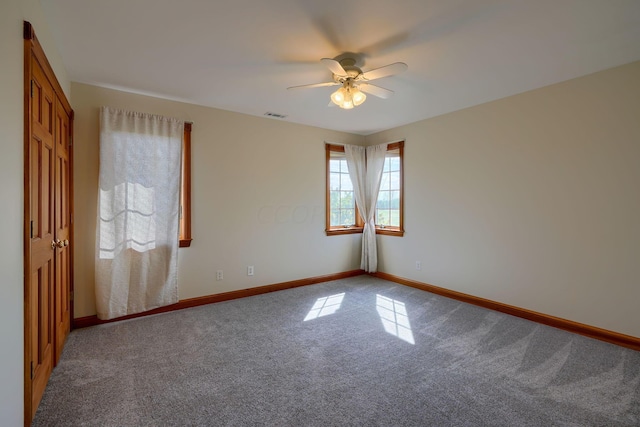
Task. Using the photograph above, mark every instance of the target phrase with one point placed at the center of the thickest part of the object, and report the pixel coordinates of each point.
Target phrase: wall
(258, 197)
(12, 14)
(531, 200)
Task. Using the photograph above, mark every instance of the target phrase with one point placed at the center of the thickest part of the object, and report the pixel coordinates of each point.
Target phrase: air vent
(276, 115)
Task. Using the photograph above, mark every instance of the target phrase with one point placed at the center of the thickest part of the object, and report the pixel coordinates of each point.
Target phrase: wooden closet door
(48, 228)
(40, 287)
(62, 220)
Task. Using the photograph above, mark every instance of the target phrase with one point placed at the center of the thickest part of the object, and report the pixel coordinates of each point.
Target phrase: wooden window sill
(343, 230)
(355, 230)
(390, 231)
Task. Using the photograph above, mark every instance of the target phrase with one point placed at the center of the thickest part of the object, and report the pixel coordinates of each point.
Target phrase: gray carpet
(381, 354)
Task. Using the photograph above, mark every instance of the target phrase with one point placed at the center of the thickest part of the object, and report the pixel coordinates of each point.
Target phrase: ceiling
(242, 55)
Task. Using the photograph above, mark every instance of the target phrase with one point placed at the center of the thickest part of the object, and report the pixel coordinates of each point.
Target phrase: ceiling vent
(276, 115)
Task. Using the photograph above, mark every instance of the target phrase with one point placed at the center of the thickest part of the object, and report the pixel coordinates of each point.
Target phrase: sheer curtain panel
(138, 212)
(365, 170)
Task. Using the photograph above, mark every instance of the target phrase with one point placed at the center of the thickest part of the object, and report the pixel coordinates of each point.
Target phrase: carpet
(355, 352)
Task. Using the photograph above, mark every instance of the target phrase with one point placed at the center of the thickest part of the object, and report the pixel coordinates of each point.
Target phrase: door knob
(59, 243)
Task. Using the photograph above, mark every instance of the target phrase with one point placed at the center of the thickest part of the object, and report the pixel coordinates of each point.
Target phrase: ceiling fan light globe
(347, 105)
(337, 97)
(358, 97)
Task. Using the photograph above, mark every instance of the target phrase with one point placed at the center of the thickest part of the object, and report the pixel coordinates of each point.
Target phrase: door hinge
(32, 88)
(32, 371)
(71, 296)
(71, 141)
(31, 230)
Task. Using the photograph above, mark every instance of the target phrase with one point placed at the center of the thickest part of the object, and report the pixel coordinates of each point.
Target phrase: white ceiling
(241, 55)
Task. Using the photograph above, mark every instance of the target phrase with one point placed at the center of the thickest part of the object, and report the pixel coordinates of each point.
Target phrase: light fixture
(348, 96)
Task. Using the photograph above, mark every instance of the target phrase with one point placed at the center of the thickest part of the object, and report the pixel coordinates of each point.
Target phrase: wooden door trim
(33, 46)
(29, 36)
(71, 220)
(33, 51)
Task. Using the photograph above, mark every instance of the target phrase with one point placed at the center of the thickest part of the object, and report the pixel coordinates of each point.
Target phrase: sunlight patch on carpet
(394, 317)
(325, 306)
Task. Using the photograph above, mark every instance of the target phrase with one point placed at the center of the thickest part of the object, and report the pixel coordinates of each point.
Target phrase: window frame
(399, 230)
(185, 189)
(337, 229)
(359, 226)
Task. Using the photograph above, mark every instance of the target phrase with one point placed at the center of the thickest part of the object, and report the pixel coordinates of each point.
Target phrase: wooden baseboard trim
(83, 322)
(556, 322)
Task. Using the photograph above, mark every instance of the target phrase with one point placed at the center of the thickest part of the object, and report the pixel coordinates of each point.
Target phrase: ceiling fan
(354, 82)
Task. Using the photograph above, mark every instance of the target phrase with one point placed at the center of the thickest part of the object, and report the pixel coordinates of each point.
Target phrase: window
(342, 213)
(388, 216)
(138, 211)
(342, 216)
(185, 189)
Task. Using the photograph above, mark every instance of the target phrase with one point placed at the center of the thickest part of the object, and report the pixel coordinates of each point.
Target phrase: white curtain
(365, 170)
(138, 212)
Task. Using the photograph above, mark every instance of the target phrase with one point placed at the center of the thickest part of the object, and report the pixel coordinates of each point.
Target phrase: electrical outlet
(250, 270)
(418, 265)
(219, 275)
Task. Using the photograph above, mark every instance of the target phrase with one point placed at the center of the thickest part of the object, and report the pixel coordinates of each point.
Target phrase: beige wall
(12, 14)
(532, 200)
(258, 197)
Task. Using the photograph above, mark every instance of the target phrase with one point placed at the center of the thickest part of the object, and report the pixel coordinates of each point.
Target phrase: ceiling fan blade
(374, 90)
(334, 66)
(315, 85)
(387, 70)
